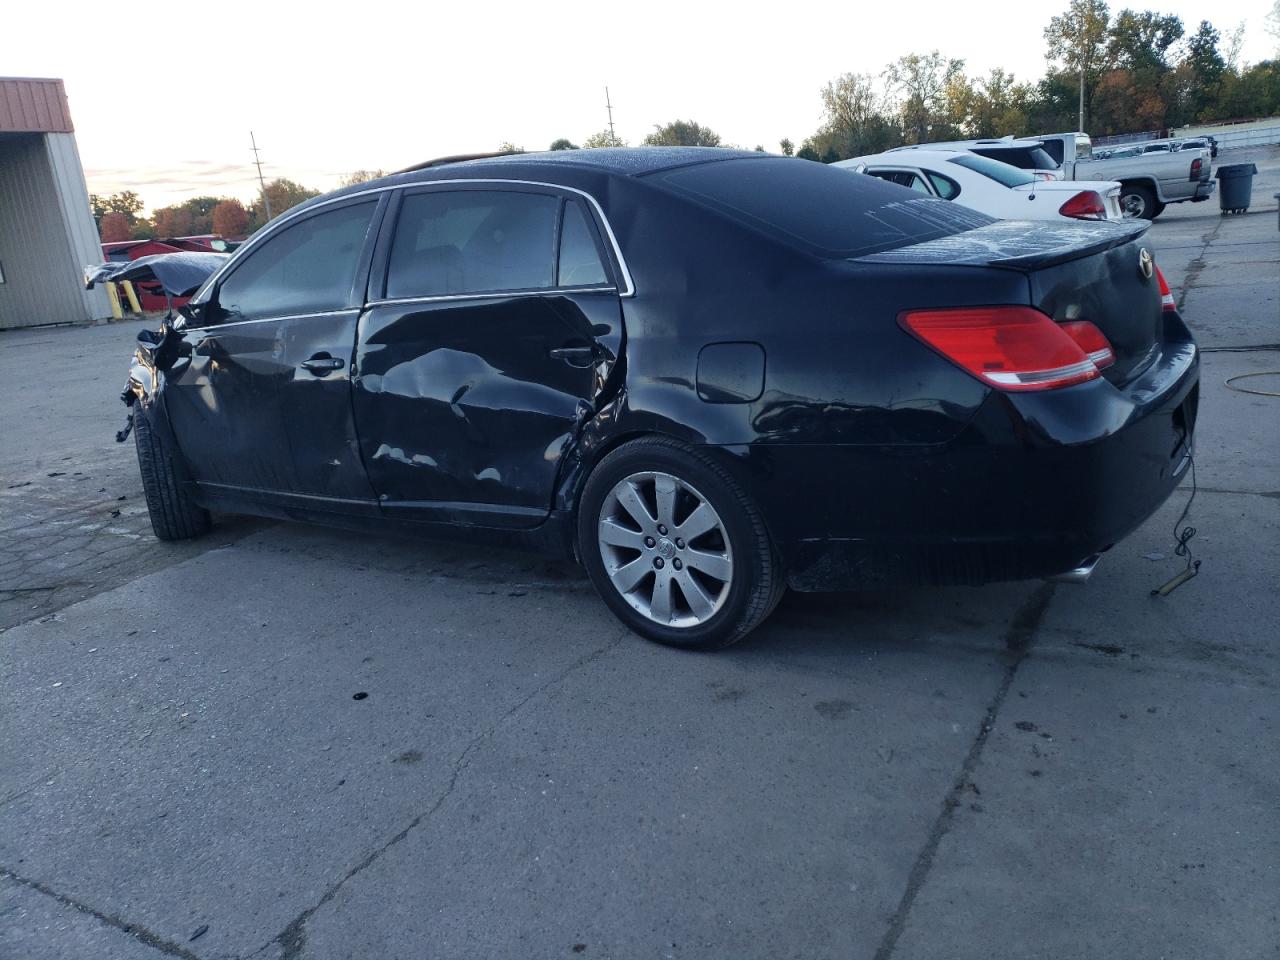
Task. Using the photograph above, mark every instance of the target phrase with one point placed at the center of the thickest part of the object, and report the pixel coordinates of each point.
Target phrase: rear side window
(309, 267)
(579, 259)
(472, 241)
(824, 210)
(946, 188)
(903, 178)
(994, 169)
(1029, 158)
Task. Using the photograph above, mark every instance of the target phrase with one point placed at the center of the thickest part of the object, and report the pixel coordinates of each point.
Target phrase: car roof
(901, 158)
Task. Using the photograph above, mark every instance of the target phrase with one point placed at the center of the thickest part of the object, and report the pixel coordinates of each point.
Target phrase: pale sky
(163, 95)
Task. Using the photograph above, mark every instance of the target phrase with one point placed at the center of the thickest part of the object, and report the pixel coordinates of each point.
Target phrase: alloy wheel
(665, 549)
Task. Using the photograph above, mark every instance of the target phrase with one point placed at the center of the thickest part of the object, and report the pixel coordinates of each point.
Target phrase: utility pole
(609, 106)
(266, 200)
(1081, 126)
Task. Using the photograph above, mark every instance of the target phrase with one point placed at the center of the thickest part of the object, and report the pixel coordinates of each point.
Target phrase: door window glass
(579, 261)
(472, 241)
(903, 178)
(309, 267)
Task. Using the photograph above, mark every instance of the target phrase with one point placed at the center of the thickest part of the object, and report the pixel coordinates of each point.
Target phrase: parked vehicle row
(707, 374)
(1148, 181)
(994, 188)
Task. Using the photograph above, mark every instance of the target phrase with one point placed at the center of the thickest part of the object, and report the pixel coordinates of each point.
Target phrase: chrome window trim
(290, 316)
(628, 285)
(490, 295)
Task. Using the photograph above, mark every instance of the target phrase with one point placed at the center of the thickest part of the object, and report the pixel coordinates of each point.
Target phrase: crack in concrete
(139, 933)
(293, 938)
(1268, 494)
(1018, 637)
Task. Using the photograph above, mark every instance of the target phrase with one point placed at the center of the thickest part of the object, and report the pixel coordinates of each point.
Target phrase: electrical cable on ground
(1183, 536)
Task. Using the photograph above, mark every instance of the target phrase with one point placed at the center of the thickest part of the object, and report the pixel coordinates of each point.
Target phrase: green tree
(788, 148)
(126, 202)
(1078, 40)
(682, 133)
(1207, 68)
(563, 144)
(999, 106)
(1141, 41)
(925, 86)
(603, 138)
(283, 194)
(506, 146)
(854, 121)
(807, 152)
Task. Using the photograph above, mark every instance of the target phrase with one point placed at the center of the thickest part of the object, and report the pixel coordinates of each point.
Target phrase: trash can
(1235, 186)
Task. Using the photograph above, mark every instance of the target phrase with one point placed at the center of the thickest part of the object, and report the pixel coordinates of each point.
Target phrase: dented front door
(465, 407)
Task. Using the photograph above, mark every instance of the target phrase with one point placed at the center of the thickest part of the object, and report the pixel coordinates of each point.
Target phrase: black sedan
(705, 374)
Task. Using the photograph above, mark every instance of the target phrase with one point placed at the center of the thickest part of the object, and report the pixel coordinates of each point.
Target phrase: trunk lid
(1098, 271)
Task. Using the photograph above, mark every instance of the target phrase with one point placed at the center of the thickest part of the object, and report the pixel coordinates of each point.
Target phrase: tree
(114, 227)
(358, 176)
(173, 222)
(788, 148)
(807, 152)
(283, 194)
(604, 138)
(126, 202)
(506, 146)
(682, 133)
(998, 106)
(1078, 41)
(564, 144)
(1273, 25)
(1141, 41)
(854, 121)
(230, 219)
(1207, 67)
(922, 84)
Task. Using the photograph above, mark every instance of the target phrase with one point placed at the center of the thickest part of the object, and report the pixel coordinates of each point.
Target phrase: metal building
(47, 233)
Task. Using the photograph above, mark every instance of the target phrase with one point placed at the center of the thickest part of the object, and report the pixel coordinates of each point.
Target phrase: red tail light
(1085, 205)
(1166, 295)
(1092, 341)
(1012, 348)
(1196, 164)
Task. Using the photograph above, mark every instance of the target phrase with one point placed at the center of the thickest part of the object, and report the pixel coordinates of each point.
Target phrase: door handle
(576, 356)
(322, 365)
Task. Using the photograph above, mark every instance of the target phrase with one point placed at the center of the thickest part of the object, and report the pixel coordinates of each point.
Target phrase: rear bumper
(1035, 486)
(1204, 190)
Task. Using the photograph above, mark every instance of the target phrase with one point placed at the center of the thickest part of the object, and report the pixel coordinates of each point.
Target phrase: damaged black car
(705, 374)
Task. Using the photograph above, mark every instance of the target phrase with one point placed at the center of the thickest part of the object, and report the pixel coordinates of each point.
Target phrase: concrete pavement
(1019, 770)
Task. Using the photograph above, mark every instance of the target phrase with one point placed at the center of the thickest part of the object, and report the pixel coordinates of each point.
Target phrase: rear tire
(703, 594)
(173, 515)
(1138, 202)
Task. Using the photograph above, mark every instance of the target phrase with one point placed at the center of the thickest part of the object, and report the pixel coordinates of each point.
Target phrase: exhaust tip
(1078, 574)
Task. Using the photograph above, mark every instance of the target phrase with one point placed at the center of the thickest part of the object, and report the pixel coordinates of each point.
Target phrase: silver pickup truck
(1148, 182)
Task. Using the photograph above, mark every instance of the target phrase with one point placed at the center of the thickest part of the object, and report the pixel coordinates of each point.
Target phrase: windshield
(826, 210)
(994, 169)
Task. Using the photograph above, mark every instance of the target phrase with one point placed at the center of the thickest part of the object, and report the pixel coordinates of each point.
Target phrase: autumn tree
(126, 202)
(682, 133)
(854, 121)
(283, 194)
(173, 221)
(230, 219)
(114, 226)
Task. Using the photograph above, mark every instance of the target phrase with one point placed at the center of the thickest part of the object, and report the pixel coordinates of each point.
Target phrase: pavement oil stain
(1106, 649)
(1026, 726)
(409, 756)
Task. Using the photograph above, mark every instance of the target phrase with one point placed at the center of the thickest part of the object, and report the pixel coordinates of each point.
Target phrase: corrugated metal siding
(42, 279)
(32, 105)
(77, 217)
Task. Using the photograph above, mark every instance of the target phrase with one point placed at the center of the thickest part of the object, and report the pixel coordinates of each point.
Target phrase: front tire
(173, 515)
(675, 547)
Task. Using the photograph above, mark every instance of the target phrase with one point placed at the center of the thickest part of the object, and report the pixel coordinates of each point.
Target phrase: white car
(992, 187)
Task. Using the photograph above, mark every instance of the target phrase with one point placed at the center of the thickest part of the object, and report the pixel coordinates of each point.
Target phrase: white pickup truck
(1148, 182)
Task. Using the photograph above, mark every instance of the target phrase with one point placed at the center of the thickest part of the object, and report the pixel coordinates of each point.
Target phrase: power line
(266, 200)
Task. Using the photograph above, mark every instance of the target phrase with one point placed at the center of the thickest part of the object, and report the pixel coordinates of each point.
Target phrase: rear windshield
(826, 210)
(1026, 158)
(997, 171)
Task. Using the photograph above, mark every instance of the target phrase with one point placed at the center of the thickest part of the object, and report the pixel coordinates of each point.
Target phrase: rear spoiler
(1016, 244)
